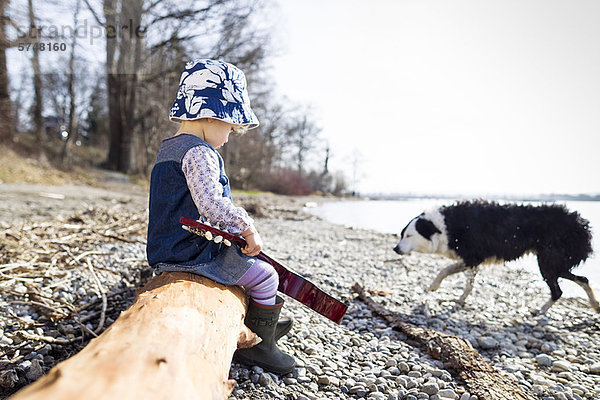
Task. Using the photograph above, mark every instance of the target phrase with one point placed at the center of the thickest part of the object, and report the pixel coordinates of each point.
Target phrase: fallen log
(175, 341)
(480, 378)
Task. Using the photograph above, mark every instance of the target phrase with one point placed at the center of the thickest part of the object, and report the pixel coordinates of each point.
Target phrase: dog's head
(422, 234)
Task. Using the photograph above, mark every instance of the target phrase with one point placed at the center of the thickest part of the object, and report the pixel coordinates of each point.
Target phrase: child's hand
(254, 243)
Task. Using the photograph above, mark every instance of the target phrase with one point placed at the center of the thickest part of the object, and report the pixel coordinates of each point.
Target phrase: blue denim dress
(226, 268)
(171, 248)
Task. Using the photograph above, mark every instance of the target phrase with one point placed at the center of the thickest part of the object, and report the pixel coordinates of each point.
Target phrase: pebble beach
(555, 356)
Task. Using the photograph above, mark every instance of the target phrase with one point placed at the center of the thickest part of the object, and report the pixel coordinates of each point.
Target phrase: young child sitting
(189, 180)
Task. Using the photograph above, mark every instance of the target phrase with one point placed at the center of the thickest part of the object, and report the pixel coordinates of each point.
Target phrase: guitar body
(290, 283)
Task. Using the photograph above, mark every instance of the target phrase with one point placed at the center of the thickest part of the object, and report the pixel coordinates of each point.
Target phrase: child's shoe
(262, 320)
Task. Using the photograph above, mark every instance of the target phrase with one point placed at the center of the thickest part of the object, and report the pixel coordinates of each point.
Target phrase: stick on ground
(481, 378)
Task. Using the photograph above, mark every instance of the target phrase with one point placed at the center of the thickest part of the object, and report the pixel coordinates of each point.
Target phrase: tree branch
(481, 378)
(96, 17)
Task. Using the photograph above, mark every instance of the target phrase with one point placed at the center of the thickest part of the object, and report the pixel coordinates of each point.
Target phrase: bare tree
(36, 108)
(72, 126)
(114, 86)
(302, 135)
(326, 163)
(251, 158)
(18, 91)
(95, 122)
(133, 65)
(7, 123)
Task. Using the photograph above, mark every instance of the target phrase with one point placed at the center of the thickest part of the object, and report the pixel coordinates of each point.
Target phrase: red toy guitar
(290, 282)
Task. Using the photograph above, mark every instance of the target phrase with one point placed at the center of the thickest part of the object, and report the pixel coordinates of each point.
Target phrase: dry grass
(16, 167)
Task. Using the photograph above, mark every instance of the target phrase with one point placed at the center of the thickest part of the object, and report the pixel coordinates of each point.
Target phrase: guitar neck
(290, 283)
(215, 231)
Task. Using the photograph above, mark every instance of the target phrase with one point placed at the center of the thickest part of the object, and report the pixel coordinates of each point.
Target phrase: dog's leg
(556, 294)
(449, 270)
(590, 293)
(548, 268)
(584, 283)
(544, 308)
(471, 272)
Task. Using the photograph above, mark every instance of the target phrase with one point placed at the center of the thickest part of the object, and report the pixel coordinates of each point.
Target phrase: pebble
(324, 380)
(448, 394)
(544, 359)
(6, 339)
(35, 370)
(561, 365)
(487, 342)
(20, 288)
(299, 372)
(265, 379)
(430, 388)
(594, 368)
(403, 367)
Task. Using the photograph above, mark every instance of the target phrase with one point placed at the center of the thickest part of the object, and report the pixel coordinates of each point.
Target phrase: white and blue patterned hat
(213, 89)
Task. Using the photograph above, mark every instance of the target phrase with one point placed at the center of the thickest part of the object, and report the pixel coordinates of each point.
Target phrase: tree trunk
(72, 126)
(38, 120)
(123, 62)
(7, 124)
(132, 50)
(175, 341)
(481, 378)
(113, 87)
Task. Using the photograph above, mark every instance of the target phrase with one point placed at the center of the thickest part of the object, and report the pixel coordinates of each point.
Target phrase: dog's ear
(426, 228)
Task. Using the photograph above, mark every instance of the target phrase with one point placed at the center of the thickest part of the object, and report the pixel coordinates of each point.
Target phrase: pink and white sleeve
(201, 169)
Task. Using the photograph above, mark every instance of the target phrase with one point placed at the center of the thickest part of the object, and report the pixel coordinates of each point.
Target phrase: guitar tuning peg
(226, 242)
(208, 235)
(218, 239)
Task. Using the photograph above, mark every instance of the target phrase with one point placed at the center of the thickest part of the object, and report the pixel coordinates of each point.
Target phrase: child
(188, 180)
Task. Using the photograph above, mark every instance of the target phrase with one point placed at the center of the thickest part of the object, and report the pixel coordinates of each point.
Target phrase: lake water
(390, 216)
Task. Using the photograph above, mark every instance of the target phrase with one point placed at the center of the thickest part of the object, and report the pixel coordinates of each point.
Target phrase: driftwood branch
(481, 378)
(175, 341)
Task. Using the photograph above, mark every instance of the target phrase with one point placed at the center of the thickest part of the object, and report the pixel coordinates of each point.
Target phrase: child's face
(217, 132)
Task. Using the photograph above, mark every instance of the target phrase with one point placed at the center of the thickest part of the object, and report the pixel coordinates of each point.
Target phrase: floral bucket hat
(213, 89)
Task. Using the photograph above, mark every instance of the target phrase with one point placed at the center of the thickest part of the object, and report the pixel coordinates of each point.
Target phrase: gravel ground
(556, 356)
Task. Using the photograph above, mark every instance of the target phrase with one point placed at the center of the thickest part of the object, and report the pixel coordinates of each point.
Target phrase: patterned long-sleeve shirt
(201, 169)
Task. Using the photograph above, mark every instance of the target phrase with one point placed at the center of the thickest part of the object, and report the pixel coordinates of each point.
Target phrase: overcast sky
(471, 96)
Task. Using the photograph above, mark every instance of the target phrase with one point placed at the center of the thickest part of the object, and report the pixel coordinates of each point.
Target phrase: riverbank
(556, 356)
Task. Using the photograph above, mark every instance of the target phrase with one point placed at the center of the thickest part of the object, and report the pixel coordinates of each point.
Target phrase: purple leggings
(261, 282)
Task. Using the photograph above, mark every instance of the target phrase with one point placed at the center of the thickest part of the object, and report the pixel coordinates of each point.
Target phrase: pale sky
(472, 96)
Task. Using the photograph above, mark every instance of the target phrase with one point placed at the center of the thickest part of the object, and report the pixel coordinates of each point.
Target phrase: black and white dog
(479, 232)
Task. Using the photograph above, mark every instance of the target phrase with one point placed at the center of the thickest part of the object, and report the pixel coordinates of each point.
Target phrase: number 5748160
(42, 46)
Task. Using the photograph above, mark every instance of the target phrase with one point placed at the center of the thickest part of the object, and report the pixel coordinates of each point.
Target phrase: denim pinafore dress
(170, 248)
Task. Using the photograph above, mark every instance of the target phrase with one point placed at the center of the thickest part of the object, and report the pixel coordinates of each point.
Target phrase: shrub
(287, 182)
